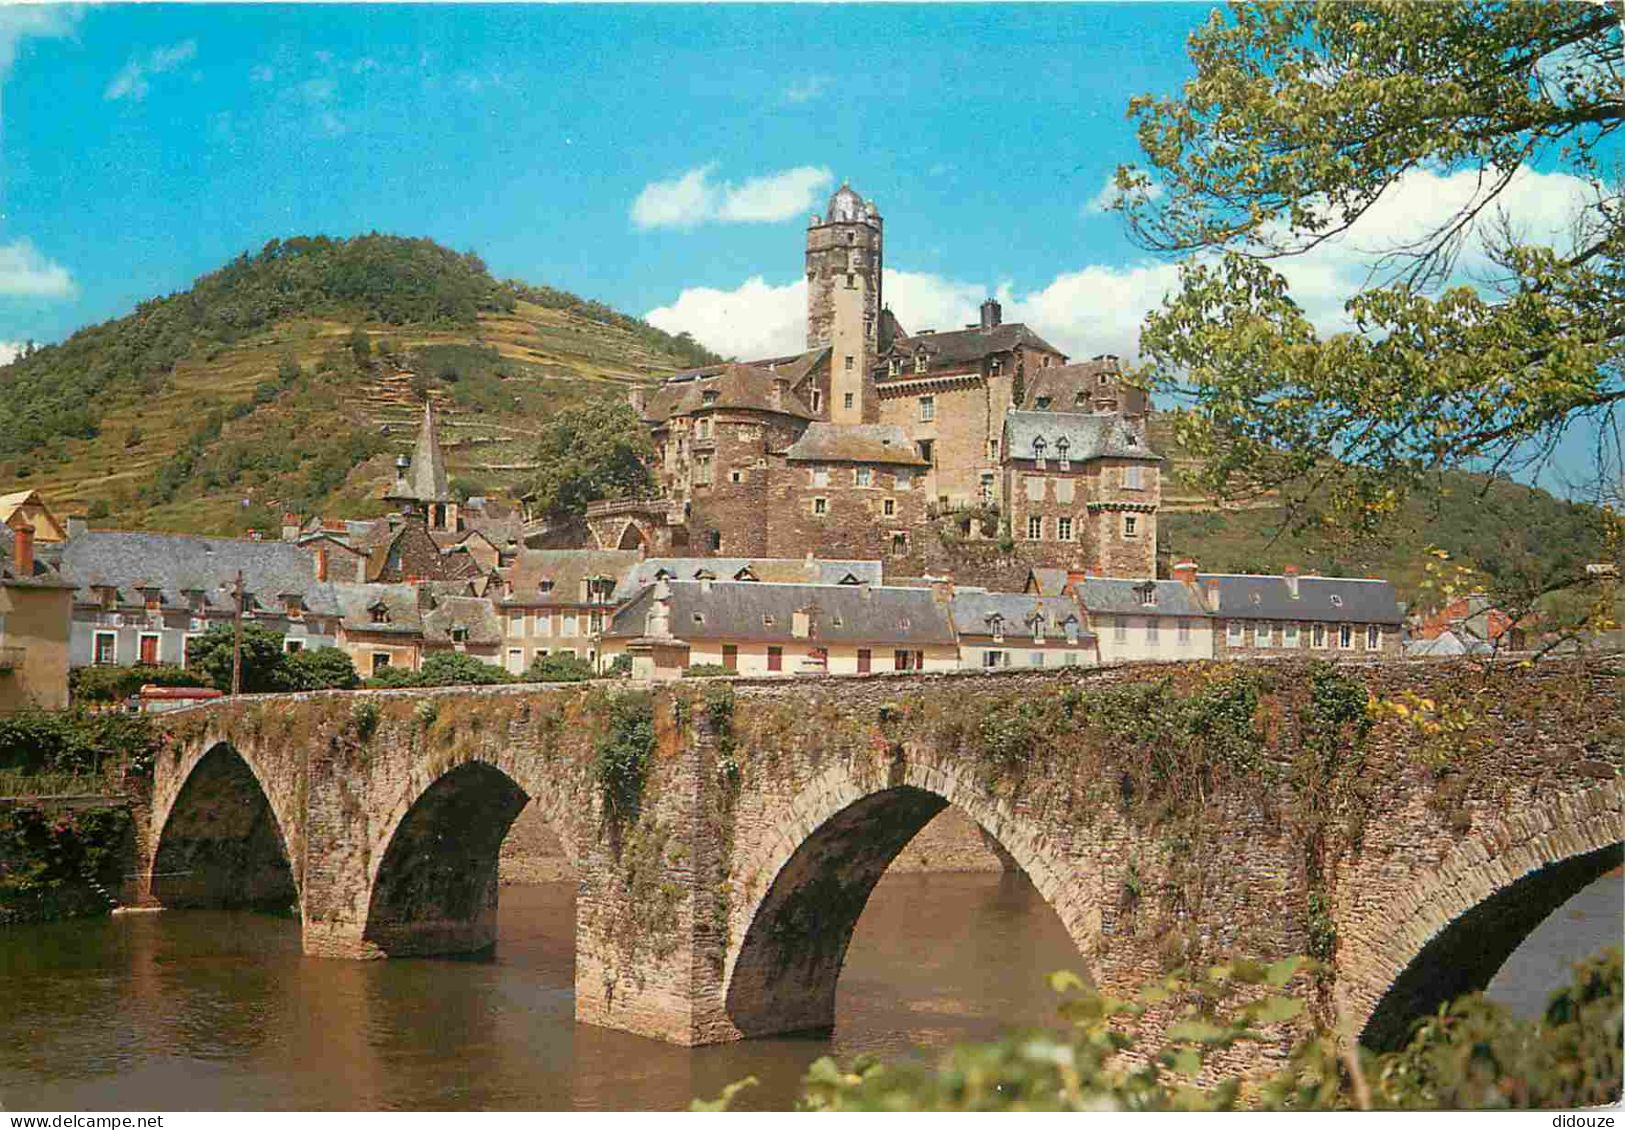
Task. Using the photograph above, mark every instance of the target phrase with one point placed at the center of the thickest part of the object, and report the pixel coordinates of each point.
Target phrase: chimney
(1291, 575)
(1213, 594)
(1073, 578)
(23, 553)
(992, 314)
(778, 393)
(1184, 572)
(321, 563)
(77, 524)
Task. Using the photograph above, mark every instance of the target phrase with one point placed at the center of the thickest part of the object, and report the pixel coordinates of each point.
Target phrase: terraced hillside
(180, 417)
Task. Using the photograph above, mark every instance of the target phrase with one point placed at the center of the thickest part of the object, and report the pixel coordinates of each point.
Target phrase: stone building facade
(877, 442)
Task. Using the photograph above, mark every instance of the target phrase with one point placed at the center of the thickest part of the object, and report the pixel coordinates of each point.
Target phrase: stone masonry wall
(768, 810)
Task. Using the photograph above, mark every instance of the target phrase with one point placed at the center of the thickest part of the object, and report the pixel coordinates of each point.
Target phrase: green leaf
(1064, 980)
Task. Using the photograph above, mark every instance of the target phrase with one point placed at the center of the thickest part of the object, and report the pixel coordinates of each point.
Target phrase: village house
(141, 598)
(1261, 616)
(36, 613)
(997, 630)
(27, 507)
(558, 602)
(1139, 620)
(763, 628)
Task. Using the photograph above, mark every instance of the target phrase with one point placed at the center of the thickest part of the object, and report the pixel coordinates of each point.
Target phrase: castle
(977, 453)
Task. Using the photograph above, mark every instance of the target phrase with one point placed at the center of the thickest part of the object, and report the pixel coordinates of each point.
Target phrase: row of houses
(438, 576)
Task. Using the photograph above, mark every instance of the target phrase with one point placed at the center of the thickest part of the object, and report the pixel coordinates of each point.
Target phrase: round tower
(844, 263)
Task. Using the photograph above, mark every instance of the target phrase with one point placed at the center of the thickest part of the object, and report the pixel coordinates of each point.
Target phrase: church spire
(421, 483)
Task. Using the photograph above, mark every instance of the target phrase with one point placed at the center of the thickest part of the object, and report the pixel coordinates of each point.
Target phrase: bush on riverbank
(41, 742)
(1472, 1055)
(61, 865)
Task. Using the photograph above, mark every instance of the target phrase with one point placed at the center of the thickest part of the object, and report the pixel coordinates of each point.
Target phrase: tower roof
(425, 479)
(847, 205)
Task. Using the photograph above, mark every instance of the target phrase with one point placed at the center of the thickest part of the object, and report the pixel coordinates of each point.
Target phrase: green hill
(290, 378)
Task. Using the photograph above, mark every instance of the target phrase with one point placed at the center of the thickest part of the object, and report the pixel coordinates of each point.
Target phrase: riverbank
(64, 856)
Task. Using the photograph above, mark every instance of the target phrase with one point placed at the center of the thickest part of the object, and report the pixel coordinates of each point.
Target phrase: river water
(204, 1010)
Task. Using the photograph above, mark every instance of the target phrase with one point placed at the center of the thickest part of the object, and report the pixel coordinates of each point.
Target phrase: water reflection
(220, 1010)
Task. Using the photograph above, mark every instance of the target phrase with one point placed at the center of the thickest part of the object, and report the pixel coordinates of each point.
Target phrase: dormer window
(709, 396)
(767, 619)
(1148, 596)
(1080, 400)
(1337, 601)
(996, 623)
(1040, 447)
(894, 367)
(544, 586)
(919, 361)
(1042, 402)
(380, 612)
(1038, 627)
(1062, 447)
(699, 617)
(459, 635)
(996, 366)
(294, 607)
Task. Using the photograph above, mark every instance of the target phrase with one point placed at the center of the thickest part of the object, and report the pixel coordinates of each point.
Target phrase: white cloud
(1095, 310)
(806, 89)
(20, 21)
(1101, 202)
(693, 199)
(10, 351)
(131, 81)
(25, 272)
(755, 319)
(1098, 307)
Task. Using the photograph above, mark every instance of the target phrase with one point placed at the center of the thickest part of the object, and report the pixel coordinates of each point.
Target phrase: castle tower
(844, 263)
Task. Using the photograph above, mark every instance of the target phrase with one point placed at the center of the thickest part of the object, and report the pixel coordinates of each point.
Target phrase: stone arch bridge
(1408, 823)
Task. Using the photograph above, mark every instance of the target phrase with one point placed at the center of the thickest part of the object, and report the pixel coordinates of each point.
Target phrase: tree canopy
(600, 450)
(1301, 119)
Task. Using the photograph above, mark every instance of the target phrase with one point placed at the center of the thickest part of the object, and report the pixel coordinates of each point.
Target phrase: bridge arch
(222, 841)
(805, 884)
(1455, 926)
(433, 882)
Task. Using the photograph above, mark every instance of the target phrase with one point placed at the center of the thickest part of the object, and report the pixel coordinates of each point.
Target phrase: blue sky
(144, 145)
(663, 159)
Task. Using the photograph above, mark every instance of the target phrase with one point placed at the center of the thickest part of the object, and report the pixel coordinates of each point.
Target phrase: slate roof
(425, 478)
(957, 348)
(782, 570)
(853, 614)
(354, 603)
(1123, 596)
(855, 443)
(566, 568)
(974, 610)
(477, 615)
(1072, 388)
(1334, 599)
(736, 386)
(1089, 435)
(1048, 582)
(177, 563)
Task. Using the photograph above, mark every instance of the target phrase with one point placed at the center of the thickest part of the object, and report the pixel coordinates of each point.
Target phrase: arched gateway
(724, 862)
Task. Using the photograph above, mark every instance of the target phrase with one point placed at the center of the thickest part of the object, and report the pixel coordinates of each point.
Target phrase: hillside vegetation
(290, 378)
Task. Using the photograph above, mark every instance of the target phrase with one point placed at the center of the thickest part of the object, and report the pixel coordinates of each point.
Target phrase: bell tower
(844, 264)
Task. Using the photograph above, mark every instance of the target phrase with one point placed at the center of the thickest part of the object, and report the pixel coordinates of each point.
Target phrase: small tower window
(1040, 447)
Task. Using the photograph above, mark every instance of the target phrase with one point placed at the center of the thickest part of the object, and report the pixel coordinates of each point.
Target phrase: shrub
(1472, 1055)
(560, 667)
(705, 671)
(320, 668)
(41, 742)
(115, 684)
(624, 755)
(453, 668)
(620, 666)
